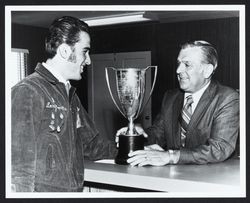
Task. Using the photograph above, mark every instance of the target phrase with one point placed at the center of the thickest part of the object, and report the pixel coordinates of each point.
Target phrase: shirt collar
(197, 95)
(55, 73)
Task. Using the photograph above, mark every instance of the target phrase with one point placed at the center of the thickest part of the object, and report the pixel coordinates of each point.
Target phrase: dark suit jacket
(213, 129)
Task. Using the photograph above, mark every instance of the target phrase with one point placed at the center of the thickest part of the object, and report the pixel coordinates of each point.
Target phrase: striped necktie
(185, 118)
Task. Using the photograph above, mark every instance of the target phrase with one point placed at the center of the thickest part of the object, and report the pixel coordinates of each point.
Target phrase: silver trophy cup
(130, 89)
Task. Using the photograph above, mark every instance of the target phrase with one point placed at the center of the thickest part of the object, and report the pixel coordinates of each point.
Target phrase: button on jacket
(51, 133)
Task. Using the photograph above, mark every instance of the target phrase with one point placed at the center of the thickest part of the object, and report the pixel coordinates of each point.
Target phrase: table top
(219, 177)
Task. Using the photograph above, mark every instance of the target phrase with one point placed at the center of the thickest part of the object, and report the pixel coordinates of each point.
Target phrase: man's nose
(180, 68)
(88, 60)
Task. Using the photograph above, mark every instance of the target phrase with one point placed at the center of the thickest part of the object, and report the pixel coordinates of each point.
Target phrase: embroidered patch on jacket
(57, 116)
(55, 107)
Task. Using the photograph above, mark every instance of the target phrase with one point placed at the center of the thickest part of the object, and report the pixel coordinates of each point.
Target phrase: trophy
(130, 84)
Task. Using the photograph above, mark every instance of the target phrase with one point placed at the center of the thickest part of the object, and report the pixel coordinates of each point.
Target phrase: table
(214, 178)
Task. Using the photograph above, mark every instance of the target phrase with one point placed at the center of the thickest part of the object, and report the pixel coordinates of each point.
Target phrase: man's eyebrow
(185, 61)
(180, 60)
(86, 48)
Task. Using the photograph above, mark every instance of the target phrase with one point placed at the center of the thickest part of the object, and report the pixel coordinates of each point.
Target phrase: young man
(51, 131)
(198, 123)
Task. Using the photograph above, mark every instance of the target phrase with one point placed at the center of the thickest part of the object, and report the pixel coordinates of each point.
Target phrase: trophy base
(121, 161)
(127, 144)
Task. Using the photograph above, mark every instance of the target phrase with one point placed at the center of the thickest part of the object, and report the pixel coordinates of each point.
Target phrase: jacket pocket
(50, 161)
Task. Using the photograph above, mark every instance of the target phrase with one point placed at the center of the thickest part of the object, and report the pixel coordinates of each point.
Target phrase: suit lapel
(201, 108)
(177, 107)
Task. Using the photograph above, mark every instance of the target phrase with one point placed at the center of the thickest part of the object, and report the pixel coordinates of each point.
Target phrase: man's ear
(64, 51)
(208, 70)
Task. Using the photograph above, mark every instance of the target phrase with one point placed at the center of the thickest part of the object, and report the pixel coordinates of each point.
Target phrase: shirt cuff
(174, 156)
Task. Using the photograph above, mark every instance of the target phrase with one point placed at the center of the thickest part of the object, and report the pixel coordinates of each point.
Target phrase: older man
(199, 122)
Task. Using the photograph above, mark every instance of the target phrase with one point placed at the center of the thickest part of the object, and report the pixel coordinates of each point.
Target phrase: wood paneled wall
(163, 40)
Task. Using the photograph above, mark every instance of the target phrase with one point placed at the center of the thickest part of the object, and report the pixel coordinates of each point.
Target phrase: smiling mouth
(183, 78)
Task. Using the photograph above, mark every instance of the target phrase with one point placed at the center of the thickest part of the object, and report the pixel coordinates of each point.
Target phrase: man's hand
(123, 131)
(153, 147)
(152, 155)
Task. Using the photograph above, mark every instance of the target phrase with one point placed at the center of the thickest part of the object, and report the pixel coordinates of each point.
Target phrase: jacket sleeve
(95, 145)
(100, 148)
(25, 114)
(223, 135)
(156, 133)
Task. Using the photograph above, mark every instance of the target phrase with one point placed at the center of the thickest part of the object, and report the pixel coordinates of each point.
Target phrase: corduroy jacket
(51, 135)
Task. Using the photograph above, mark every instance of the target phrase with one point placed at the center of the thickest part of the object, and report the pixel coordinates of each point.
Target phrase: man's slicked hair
(209, 52)
(64, 30)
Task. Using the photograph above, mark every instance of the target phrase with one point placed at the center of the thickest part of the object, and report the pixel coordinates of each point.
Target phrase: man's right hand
(123, 131)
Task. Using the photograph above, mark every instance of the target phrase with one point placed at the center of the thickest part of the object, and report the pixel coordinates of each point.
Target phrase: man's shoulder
(222, 94)
(224, 90)
(31, 82)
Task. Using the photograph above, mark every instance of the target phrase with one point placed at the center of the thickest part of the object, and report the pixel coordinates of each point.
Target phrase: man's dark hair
(64, 30)
(209, 52)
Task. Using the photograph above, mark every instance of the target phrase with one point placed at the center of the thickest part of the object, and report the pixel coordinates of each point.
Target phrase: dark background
(162, 39)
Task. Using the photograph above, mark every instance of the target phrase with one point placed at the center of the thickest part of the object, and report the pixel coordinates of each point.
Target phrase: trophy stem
(130, 126)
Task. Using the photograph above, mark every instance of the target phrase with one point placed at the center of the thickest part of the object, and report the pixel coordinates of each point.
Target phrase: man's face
(190, 70)
(79, 57)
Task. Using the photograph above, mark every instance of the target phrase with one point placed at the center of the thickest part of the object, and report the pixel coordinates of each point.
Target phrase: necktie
(185, 118)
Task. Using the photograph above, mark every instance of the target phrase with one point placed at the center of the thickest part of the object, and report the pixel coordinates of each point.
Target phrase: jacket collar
(205, 100)
(40, 69)
(201, 108)
(177, 107)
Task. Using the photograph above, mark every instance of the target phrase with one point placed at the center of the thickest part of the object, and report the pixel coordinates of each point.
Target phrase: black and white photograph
(125, 101)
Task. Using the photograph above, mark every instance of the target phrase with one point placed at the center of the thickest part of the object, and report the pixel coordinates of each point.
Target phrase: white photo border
(242, 57)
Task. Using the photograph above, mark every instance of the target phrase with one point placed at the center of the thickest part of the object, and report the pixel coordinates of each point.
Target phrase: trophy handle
(152, 88)
(110, 91)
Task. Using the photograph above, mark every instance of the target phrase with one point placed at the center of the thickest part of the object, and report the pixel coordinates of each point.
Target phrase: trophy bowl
(130, 90)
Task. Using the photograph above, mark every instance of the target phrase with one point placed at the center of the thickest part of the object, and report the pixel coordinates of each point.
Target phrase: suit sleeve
(156, 133)
(24, 126)
(223, 135)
